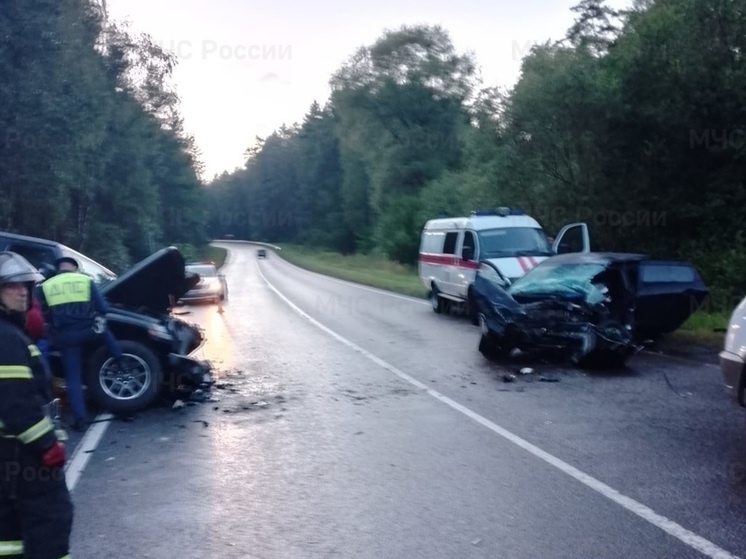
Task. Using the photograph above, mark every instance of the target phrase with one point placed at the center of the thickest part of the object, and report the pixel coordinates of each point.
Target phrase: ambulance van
(451, 249)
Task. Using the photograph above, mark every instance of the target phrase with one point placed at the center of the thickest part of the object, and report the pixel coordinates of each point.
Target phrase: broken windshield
(561, 280)
(513, 241)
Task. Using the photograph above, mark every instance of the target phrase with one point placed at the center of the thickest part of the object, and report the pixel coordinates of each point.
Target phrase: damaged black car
(593, 309)
(158, 346)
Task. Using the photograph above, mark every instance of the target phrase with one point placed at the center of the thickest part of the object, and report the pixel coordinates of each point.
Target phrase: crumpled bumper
(734, 376)
(192, 373)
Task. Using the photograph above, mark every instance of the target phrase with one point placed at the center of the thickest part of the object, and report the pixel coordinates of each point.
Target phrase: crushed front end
(189, 377)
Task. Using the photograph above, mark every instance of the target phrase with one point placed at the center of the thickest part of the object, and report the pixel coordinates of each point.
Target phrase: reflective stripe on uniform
(68, 556)
(15, 372)
(11, 547)
(67, 288)
(2, 434)
(37, 431)
(34, 351)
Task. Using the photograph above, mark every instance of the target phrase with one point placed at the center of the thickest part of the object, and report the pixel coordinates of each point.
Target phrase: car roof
(596, 257)
(29, 239)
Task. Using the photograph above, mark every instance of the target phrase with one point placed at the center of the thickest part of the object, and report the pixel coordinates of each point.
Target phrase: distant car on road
(212, 285)
(733, 356)
(261, 253)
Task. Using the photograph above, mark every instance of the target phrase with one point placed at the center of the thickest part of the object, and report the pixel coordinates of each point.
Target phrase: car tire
(437, 302)
(491, 349)
(602, 360)
(130, 391)
(472, 309)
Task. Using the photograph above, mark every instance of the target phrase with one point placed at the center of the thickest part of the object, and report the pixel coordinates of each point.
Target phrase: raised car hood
(153, 284)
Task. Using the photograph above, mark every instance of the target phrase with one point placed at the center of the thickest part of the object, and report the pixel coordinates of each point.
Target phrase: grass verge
(700, 329)
(703, 328)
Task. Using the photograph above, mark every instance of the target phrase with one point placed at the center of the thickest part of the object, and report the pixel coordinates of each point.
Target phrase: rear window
(432, 242)
(204, 271)
(666, 273)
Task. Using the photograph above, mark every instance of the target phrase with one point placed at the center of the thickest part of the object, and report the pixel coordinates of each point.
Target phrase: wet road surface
(351, 423)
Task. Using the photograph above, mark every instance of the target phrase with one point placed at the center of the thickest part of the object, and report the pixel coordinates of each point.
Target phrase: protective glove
(54, 456)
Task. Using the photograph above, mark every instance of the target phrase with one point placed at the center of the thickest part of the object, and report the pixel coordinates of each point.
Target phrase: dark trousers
(70, 344)
(36, 511)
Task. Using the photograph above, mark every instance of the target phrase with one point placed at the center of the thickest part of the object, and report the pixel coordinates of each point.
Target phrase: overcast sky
(247, 67)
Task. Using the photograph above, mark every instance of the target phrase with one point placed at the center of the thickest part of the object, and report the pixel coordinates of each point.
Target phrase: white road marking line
(669, 526)
(84, 451)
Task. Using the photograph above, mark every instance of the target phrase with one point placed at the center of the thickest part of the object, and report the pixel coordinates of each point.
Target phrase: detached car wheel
(129, 386)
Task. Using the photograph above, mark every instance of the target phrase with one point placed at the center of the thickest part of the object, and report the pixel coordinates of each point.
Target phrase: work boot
(80, 424)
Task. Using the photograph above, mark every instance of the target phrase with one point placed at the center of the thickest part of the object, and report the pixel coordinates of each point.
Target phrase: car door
(467, 264)
(668, 293)
(573, 237)
(450, 263)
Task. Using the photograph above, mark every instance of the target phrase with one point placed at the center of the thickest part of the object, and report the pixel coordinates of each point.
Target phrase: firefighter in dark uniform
(75, 312)
(36, 512)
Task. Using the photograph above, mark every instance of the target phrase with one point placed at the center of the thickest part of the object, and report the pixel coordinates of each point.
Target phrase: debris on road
(549, 379)
(178, 404)
(509, 378)
(199, 395)
(526, 371)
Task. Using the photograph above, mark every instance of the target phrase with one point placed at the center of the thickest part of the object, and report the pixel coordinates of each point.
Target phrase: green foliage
(632, 123)
(203, 253)
(93, 155)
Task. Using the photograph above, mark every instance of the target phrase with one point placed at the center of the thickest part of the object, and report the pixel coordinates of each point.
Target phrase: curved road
(349, 422)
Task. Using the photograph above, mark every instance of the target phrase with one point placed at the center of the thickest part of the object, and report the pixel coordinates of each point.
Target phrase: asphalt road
(352, 423)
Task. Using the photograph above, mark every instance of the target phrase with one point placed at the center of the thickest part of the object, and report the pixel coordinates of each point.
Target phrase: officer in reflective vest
(75, 313)
(36, 512)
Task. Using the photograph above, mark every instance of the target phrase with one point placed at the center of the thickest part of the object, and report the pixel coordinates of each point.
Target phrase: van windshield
(513, 241)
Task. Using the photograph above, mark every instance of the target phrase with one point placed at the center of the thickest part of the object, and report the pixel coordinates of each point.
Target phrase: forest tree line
(633, 122)
(93, 153)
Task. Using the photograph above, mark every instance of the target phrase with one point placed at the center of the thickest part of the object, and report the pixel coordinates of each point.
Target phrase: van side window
(449, 247)
(432, 242)
(469, 246)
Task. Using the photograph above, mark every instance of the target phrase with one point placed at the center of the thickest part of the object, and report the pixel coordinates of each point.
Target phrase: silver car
(212, 286)
(733, 356)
